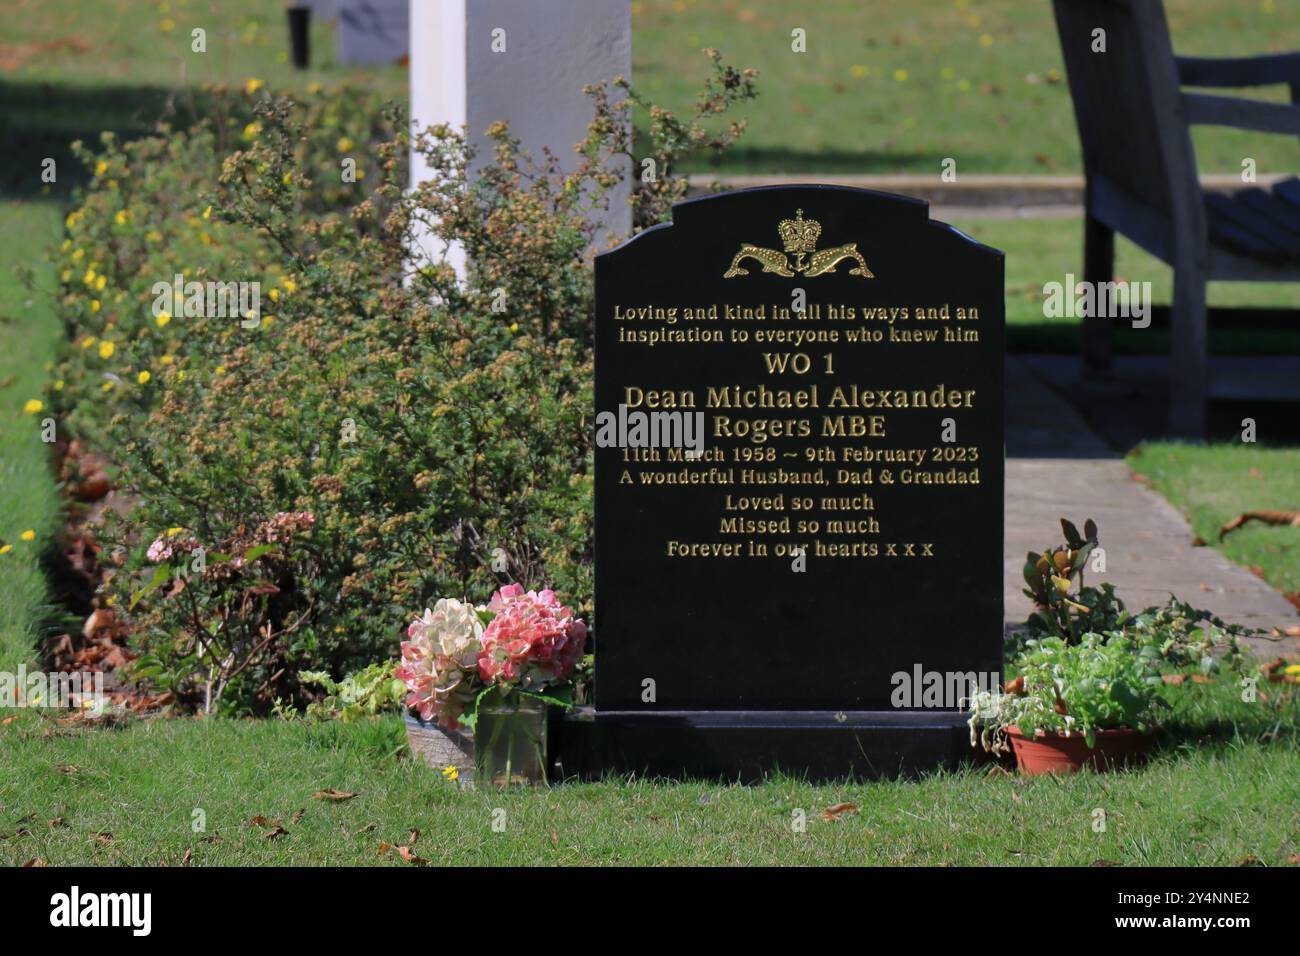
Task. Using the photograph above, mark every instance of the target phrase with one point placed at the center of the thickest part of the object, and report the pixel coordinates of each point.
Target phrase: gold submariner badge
(800, 238)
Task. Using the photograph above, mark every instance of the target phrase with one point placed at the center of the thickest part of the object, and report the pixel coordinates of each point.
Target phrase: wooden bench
(1134, 122)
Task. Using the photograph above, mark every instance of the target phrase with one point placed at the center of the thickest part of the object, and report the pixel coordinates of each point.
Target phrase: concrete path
(1058, 467)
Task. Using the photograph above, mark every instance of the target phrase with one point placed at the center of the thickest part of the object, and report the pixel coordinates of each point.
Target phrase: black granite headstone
(799, 480)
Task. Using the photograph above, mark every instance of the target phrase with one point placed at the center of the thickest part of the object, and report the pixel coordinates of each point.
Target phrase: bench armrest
(1241, 113)
(1239, 71)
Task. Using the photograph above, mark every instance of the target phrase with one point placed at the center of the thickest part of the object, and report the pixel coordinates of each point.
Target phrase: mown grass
(1225, 792)
(883, 87)
(897, 87)
(28, 500)
(149, 43)
(1212, 484)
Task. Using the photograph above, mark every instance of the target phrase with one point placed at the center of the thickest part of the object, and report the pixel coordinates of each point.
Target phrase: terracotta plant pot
(441, 749)
(1057, 753)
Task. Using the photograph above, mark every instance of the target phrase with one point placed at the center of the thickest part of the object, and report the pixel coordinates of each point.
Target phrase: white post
(474, 62)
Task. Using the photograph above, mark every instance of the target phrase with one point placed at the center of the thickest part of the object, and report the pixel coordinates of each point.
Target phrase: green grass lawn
(148, 43)
(29, 502)
(1229, 792)
(897, 87)
(1215, 483)
(884, 87)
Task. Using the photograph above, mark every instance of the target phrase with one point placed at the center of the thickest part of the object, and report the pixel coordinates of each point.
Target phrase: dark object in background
(300, 35)
(1134, 126)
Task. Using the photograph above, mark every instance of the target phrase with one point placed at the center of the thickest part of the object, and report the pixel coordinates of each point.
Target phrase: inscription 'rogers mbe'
(843, 518)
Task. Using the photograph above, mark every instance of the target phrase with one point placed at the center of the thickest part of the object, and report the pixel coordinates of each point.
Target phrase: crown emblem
(800, 237)
(799, 234)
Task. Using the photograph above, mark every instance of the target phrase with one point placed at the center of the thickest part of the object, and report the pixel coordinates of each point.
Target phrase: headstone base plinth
(749, 745)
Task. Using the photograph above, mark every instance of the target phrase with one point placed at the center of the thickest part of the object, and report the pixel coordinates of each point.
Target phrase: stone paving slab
(1057, 467)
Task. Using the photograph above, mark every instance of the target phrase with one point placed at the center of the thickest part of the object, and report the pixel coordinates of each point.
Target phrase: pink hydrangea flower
(532, 642)
(439, 661)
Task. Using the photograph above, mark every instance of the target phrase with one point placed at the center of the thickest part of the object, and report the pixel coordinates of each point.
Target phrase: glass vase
(510, 740)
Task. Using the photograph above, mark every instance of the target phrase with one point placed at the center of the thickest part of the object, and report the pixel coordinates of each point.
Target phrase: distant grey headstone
(373, 31)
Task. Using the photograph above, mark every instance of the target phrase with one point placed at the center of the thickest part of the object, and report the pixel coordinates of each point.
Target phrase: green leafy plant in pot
(1092, 703)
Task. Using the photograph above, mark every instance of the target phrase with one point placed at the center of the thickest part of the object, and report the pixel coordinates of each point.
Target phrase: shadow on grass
(763, 159)
(40, 120)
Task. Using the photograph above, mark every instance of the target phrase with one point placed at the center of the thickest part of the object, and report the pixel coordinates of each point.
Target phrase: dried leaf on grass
(1291, 518)
(833, 813)
(333, 795)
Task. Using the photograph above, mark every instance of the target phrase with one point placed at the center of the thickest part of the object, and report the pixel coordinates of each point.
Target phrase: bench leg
(1188, 354)
(1098, 266)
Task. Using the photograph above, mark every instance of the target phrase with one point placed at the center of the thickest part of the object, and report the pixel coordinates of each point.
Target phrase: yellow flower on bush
(252, 85)
(101, 168)
(100, 282)
(167, 359)
(275, 295)
(89, 277)
(167, 25)
(106, 349)
(33, 406)
(28, 535)
(289, 285)
(344, 144)
(153, 235)
(251, 131)
(94, 305)
(143, 377)
(88, 341)
(108, 386)
(6, 548)
(313, 88)
(163, 318)
(58, 385)
(219, 370)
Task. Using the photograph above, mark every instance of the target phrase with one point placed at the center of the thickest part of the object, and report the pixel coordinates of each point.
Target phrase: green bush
(384, 433)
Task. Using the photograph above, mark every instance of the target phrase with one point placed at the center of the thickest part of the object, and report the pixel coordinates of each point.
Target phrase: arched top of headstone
(843, 215)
